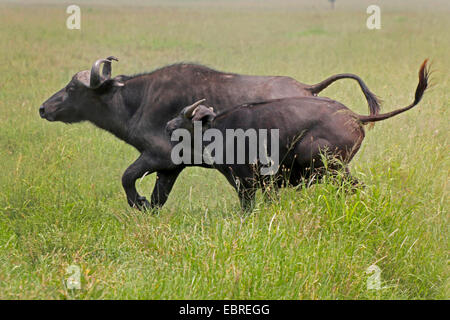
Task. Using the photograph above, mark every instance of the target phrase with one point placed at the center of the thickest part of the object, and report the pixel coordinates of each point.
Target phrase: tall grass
(61, 201)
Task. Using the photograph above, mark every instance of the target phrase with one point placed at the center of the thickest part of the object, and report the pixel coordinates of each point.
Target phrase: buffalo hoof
(354, 185)
(141, 204)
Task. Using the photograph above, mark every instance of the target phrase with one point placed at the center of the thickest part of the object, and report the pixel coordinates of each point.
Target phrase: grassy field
(62, 203)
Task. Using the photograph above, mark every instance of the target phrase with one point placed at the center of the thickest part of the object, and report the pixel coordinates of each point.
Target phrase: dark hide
(311, 129)
(137, 108)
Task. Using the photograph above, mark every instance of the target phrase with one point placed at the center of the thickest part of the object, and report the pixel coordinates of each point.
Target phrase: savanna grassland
(62, 203)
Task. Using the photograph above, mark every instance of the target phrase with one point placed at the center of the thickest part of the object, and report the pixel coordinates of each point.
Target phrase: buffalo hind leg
(351, 180)
(270, 188)
(340, 175)
(247, 198)
(164, 183)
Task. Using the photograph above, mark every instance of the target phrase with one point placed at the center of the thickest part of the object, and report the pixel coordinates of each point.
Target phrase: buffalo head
(195, 112)
(78, 98)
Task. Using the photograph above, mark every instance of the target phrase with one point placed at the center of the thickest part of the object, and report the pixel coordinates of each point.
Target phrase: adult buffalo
(137, 108)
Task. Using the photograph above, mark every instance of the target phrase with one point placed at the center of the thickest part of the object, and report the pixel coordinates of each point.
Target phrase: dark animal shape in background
(307, 127)
(137, 108)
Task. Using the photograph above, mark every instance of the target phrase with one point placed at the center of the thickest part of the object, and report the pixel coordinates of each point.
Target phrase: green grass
(61, 200)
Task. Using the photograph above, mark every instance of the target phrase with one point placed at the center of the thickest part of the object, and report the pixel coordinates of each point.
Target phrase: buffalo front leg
(164, 183)
(135, 171)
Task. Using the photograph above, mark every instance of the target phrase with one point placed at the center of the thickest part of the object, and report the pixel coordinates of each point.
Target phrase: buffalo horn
(190, 111)
(96, 79)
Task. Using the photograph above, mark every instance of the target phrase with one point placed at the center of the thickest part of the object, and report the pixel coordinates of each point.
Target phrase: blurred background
(62, 203)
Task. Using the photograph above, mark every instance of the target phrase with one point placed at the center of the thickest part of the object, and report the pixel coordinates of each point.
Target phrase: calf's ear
(204, 114)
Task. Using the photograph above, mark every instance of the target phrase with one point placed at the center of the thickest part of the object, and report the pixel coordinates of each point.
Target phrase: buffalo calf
(306, 129)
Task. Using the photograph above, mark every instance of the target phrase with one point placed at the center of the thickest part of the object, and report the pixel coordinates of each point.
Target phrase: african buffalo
(137, 108)
(307, 128)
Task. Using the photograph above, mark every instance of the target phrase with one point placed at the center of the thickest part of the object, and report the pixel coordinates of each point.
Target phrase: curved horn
(107, 67)
(190, 110)
(96, 79)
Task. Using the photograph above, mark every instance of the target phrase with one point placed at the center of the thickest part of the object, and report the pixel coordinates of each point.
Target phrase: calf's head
(190, 114)
(81, 95)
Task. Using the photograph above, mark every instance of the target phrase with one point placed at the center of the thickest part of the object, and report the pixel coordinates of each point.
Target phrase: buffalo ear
(116, 82)
(110, 83)
(204, 114)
